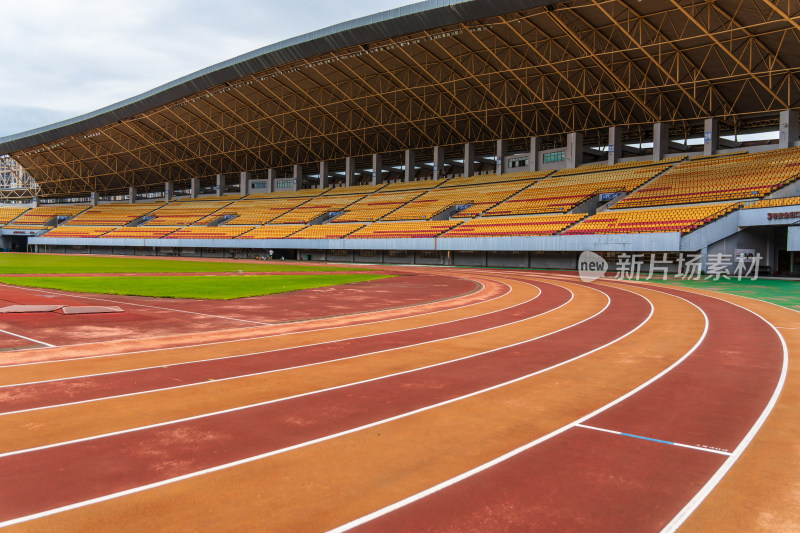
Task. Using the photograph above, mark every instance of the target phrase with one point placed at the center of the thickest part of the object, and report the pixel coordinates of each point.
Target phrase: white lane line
(138, 305)
(712, 483)
(513, 453)
(28, 339)
(671, 443)
(260, 337)
(318, 363)
(243, 407)
(262, 352)
(247, 460)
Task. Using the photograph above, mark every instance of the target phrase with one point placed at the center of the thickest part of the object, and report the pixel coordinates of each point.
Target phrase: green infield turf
(778, 291)
(205, 287)
(87, 264)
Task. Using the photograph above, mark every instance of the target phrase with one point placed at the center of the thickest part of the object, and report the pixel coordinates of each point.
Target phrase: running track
(507, 401)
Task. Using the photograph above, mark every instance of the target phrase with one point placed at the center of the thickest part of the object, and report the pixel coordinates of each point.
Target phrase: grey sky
(63, 58)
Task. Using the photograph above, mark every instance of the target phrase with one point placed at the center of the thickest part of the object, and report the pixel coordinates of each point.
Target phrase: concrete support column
(710, 136)
(272, 177)
(501, 153)
(377, 169)
(131, 195)
(349, 171)
(469, 159)
(244, 182)
(220, 184)
(195, 187)
(438, 161)
(323, 175)
(789, 128)
(660, 141)
(93, 199)
(614, 145)
(169, 191)
(574, 154)
(297, 174)
(533, 157)
(410, 165)
(35, 201)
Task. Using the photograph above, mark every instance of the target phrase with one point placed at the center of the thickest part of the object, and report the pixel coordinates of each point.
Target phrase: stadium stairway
(621, 197)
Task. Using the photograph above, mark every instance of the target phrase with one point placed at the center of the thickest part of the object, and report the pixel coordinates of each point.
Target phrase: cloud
(62, 59)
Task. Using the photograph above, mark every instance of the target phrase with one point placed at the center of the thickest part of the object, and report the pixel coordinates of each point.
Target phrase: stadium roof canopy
(436, 73)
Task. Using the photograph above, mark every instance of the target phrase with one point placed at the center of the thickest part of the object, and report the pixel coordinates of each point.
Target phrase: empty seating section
(184, 213)
(559, 194)
(605, 167)
(257, 212)
(494, 178)
(327, 231)
(112, 215)
(775, 202)
(733, 177)
(317, 207)
(7, 214)
(141, 232)
(78, 232)
(488, 196)
(514, 226)
(276, 231)
(683, 219)
(224, 197)
(302, 193)
(355, 189)
(434, 202)
(660, 199)
(413, 185)
(42, 215)
(204, 232)
(716, 156)
(376, 206)
(404, 230)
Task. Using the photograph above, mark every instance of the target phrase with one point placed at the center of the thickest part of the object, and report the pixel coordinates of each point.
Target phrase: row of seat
(775, 202)
(670, 219)
(734, 177)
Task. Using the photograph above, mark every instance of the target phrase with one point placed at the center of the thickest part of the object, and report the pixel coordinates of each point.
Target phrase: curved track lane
(97, 467)
(593, 415)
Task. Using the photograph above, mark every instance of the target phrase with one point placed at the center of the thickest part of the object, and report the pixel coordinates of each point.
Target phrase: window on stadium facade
(553, 157)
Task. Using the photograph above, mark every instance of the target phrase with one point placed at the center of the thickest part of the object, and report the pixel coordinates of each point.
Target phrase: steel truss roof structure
(15, 183)
(438, 74)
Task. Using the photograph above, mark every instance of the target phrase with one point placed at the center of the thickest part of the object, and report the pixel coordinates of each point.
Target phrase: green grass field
(205, 287)
(86, 264)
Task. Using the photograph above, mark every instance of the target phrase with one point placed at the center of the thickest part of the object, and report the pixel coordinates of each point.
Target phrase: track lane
(42, 394)
(487, 289)
(320, 486)
(761, 490)
(654, 479)
(66, 423)
(254, 343)
(97, 467)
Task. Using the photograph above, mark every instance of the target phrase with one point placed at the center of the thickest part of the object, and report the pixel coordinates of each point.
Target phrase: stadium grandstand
(474, 132)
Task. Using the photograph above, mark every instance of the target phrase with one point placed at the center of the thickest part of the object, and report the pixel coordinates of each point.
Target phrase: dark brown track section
(36, 395)
(54, 477)
(579, 479)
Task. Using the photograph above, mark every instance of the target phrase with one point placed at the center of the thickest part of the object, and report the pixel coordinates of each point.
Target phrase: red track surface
(627, 449)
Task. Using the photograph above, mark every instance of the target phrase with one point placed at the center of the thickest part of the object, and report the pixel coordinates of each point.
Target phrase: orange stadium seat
(514, 226)
(722, 178)
(404, 230)
(670, 219)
